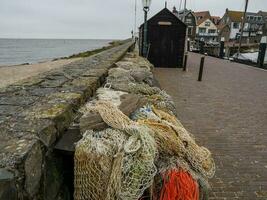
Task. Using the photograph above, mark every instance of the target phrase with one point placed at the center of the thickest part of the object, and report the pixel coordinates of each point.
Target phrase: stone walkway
(227, 113)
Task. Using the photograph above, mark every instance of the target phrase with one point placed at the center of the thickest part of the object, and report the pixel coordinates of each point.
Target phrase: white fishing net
(174, 140)
(114, 164)
(120, 163)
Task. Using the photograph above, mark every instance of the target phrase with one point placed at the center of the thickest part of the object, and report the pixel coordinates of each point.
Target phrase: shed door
(164, 45)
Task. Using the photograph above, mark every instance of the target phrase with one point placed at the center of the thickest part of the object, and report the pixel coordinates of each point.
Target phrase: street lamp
(146, 5)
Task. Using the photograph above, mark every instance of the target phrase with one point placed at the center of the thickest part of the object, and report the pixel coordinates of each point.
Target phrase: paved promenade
(227, 113)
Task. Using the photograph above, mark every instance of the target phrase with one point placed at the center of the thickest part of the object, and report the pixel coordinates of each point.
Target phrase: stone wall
(34, 114)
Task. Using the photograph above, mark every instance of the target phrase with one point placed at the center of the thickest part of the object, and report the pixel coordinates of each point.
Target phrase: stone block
(33, 169)
(7, 185)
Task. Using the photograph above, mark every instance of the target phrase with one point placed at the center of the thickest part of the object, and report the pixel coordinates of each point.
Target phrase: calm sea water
(19, 51)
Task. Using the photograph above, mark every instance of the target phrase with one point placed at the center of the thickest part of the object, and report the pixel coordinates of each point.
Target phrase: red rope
(179, 185)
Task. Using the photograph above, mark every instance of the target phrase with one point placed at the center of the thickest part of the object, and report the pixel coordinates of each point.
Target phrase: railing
(208, 34)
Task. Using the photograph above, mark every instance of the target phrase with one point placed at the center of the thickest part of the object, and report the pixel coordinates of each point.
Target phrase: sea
(28, 51)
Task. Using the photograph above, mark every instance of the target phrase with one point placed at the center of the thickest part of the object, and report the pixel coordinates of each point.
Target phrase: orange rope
(179, 185)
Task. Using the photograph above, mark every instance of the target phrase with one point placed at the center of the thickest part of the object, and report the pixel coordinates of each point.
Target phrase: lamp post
(146, 5)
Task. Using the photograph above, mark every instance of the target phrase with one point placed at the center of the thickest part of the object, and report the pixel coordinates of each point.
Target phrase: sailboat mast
(242, 27)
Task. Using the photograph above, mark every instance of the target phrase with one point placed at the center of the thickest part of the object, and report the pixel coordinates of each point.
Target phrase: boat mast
(184, 10)
(242, 28)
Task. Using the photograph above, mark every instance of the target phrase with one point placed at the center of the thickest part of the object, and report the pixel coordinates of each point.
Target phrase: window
(235, 25)
(212, 31)
(188, 20)
(202, 30)
(190, 30)
(207, 23)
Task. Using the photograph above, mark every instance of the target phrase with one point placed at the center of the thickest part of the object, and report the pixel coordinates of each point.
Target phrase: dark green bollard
(262, 51)
(201, 68)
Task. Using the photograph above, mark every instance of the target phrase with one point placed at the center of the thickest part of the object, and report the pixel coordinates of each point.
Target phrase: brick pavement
(227, 113)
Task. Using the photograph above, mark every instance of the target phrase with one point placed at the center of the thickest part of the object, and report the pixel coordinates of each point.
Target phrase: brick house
(253, 28)
(190, 21)
(206, 28)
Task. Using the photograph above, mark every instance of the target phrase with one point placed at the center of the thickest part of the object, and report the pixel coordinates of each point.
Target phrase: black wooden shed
(166, 39)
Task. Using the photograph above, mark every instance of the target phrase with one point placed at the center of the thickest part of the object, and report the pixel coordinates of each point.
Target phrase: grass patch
(95, 51)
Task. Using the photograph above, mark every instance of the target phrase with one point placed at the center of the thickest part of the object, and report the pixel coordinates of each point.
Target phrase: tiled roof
(202, 14)
(215, 17)
(263, 13)
(200, 21)
(235, 16)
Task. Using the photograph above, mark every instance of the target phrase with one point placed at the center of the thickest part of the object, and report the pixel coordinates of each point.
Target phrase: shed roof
(165, 11)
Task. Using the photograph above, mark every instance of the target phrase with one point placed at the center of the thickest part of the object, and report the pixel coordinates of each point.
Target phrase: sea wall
(34, 114)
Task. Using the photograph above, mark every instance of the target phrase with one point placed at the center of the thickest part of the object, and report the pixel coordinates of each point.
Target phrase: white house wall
(212, 26)
(234, 31)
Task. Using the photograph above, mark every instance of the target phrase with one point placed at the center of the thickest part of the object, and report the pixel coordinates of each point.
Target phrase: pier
(227, 113)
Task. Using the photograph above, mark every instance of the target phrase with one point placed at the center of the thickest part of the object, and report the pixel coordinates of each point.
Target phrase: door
(163, 46)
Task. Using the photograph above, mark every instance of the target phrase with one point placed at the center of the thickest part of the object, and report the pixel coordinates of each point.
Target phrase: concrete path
(227, 113)
(13, 74)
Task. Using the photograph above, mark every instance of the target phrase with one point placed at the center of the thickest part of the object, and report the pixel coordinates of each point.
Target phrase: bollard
(221, 54)
(262, 51)
(185, 62)
(201, 68)
(201, 47)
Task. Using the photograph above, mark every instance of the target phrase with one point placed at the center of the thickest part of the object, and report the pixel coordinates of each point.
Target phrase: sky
(93, 19)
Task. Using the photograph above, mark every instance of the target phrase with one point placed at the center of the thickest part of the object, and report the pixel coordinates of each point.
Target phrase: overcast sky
(106, 19)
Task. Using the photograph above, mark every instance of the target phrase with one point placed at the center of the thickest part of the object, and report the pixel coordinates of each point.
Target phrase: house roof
(222, 26)
(202, 14)
(235, 16)
(215, 17)
(262, 13)
(200, 21)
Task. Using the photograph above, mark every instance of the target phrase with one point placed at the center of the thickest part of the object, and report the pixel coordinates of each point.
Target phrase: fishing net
(107, 94)
(163, 101)
(96, 156)
(121, 162)
(179, 184)
(139, 61)
(174, 140)
(131, 150)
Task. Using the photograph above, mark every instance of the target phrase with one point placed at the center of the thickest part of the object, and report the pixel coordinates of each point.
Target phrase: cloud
(91, 18)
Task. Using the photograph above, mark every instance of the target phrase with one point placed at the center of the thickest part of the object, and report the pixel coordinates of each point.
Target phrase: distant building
(223, 32)
(253, 28)
(215, 19)
(206, 28)
(189, 19)
(264, 17)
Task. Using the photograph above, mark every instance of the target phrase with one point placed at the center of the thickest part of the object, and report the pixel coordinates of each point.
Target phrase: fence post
(221, 54)
(201, 68)
(262, 51)
(185, 62)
